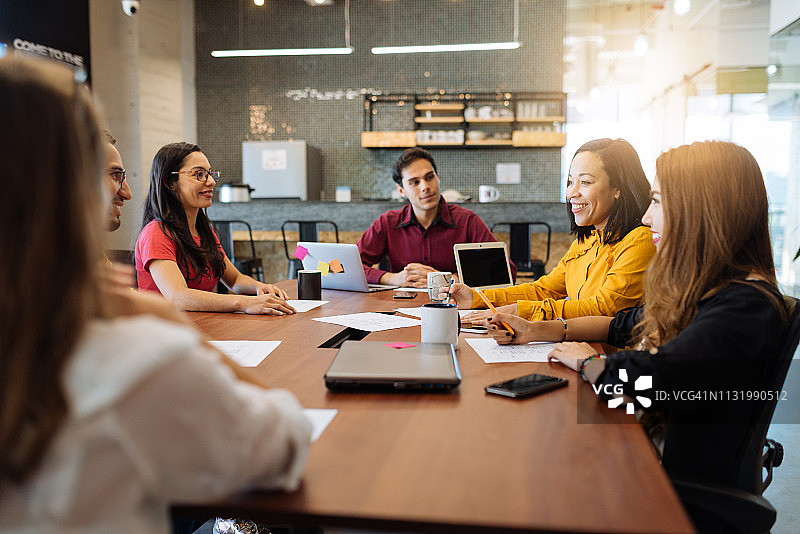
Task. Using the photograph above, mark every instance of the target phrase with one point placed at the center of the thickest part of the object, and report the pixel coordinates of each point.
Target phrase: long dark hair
(52, 211)
(625, 173)
(164, 205)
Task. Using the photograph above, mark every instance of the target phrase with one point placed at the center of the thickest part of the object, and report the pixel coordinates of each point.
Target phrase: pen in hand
(449, 289)
(486, 300)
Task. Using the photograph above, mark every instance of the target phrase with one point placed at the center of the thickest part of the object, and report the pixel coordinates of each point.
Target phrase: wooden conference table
(453, 462)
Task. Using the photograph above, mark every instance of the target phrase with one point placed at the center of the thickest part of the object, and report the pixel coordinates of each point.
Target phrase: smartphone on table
(404, 295)
(526, 386)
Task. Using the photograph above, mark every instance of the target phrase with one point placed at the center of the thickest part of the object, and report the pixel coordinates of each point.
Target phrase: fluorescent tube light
(444, 48)
(282, 52)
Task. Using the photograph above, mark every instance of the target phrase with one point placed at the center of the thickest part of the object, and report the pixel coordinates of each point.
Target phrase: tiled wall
(319, 98)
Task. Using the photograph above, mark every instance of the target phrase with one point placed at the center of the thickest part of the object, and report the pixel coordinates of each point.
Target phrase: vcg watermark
(642, 384)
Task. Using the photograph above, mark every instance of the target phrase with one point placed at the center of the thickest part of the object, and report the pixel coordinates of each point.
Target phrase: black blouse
(701, 377)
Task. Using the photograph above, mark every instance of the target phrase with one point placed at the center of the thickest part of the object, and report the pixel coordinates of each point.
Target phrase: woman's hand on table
(267, 304)
(571, 354)
(478, 317)
(523, 330)
(269, 289)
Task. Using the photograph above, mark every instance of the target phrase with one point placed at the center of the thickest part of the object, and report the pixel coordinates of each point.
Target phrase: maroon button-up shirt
(398, 234)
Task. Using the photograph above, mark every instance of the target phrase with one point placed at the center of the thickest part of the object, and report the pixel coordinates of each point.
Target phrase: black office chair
(125, 257)
(742, 507)
(121, 256)
(249, 265)
(309, 231)
(520, 246)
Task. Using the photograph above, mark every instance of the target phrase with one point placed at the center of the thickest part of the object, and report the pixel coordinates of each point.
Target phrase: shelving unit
(439, 120)
(489, 142)
(463, 120)
(435, 106)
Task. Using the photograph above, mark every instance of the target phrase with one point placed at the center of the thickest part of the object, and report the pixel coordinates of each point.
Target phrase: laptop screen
(482, 267)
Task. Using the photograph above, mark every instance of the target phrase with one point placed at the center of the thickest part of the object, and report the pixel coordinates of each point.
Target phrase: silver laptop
(372, 365)
(483, 265)
(352, 278)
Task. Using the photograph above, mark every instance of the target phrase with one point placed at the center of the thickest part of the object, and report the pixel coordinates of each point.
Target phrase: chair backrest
(519, 246)
(121, 256)
(125, 257)
(756, 459)
(309, 231)
(225, 235)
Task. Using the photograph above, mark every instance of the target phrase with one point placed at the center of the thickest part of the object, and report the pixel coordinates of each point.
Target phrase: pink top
(154, 244)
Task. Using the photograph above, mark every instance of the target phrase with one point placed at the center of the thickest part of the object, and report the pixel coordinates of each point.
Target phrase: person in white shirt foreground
(111, 405)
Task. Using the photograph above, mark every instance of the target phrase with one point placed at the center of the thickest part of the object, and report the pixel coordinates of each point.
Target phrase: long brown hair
(51, 215)
(716, 232)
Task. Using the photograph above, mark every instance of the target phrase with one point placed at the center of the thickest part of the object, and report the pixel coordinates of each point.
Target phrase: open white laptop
(483, 265)
(353, 277)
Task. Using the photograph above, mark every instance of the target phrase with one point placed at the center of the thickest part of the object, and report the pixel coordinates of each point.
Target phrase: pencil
(481, 295)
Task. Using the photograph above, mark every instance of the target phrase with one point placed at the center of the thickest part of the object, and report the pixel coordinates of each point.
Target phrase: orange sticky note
(336, 266)
(324, 267)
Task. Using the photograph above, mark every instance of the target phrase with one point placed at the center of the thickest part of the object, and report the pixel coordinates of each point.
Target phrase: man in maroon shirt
(419, 237)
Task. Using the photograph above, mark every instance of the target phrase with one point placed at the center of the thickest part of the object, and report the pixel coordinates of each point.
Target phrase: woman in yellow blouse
(601, 273)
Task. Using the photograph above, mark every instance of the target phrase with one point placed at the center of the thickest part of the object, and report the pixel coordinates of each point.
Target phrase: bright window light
(640, 45)
(681, 7)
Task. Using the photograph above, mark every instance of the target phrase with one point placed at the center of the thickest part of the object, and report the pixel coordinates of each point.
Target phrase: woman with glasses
(177, 252)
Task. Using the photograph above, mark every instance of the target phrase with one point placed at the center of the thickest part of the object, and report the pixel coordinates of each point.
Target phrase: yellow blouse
(591, 279)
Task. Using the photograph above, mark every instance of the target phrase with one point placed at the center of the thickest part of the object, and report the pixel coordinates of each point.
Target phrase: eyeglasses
(201, 175)
(118, 176)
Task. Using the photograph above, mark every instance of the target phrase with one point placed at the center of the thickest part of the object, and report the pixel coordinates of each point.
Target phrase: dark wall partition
(319, 98)
(53, 29)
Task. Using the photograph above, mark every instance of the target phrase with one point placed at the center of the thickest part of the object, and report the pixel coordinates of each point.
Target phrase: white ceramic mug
(438, 282)
(440, 323)
(488, 193)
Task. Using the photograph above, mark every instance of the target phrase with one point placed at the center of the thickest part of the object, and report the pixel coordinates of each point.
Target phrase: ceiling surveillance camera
(130, 7)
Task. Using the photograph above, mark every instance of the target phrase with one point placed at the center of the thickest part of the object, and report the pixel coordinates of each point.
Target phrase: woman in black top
(713, 320)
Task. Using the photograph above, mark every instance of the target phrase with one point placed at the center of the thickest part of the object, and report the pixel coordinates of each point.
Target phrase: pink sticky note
(301, 252)
(399, 345)
(324, 267)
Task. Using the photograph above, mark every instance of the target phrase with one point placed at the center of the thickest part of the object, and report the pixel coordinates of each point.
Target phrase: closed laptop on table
(374, 365)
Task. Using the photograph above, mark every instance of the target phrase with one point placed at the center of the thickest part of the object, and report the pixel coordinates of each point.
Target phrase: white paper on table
(301, 306)
(319, 419)
(246, 353)
(413, 289)
(417, 312)
(491, 352)
(370, 321)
